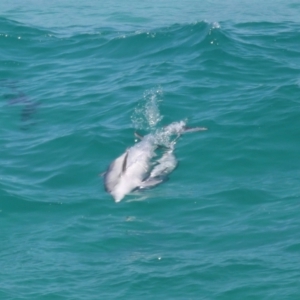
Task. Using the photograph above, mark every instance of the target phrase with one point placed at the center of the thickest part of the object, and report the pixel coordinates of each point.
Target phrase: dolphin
(135, 168)
(29, 107)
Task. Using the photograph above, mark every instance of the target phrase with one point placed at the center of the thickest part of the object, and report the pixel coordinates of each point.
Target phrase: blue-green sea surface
(77, 79)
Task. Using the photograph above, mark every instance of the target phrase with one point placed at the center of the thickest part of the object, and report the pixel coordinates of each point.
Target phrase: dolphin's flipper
(138, 135)
(151, 182)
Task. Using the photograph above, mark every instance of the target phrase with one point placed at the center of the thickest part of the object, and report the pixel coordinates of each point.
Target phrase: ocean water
(77, 79)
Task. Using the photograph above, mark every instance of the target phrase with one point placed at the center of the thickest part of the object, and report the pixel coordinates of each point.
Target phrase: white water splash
(146, 115)
(215, 25)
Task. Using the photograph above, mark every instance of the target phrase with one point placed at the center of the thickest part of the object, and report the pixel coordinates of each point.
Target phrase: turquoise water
(76, 81)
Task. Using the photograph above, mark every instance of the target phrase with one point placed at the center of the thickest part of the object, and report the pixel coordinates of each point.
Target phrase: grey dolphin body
(135, 168)
(128, 171)
(18, 98)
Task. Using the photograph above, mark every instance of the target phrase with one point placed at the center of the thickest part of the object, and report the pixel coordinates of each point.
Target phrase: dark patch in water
(18, 98)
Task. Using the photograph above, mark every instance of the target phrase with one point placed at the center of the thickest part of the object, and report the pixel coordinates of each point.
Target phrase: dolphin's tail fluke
(194, 129)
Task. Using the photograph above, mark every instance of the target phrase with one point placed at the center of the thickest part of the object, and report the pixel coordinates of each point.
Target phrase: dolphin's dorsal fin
(124, 162)
(138, 135)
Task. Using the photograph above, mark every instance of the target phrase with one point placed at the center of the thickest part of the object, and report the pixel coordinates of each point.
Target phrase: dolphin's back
(128, 171)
